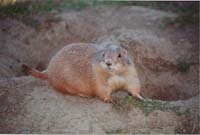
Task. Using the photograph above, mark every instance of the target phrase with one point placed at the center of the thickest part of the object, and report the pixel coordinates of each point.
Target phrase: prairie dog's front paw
(107, 99)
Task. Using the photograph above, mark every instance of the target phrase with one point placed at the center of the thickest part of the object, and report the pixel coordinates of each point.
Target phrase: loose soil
(29, 105)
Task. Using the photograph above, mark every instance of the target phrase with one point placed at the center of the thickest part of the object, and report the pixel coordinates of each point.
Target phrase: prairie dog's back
(72, 64)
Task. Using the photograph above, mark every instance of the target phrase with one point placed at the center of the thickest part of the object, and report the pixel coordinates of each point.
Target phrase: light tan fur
(91, 70)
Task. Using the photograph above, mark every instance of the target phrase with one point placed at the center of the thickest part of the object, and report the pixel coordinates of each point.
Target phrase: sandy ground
(30, 105)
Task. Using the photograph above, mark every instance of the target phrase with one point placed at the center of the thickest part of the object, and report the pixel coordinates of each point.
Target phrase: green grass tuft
(183, 111)
(14, 9)
(147, 105)
(117, 131)
(183, 66)
(34, 7)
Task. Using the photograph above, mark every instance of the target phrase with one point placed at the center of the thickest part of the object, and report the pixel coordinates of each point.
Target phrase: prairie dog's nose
(108, 64)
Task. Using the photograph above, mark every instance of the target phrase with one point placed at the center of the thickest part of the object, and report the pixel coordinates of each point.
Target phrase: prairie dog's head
(115, 59)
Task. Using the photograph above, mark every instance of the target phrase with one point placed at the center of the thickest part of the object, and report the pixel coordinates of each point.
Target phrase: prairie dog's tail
(34, 72)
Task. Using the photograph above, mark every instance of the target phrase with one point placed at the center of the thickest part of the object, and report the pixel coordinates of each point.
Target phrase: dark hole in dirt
(41, 66)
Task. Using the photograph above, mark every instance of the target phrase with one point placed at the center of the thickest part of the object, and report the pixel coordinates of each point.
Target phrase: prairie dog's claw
(109, 100)
(140, 97)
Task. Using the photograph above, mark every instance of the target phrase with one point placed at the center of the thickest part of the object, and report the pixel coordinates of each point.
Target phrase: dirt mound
(37, 41)
(31, 106)
(154, 54)
(35, 46)
(37, 108)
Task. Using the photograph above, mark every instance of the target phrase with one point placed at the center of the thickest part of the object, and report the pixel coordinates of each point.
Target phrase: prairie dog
(90, 70)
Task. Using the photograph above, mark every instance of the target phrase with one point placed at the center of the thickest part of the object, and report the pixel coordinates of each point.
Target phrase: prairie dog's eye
(103, 54)
(119, 56)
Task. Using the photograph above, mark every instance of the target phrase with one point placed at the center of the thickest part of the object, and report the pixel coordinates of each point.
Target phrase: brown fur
(82, 69)
(33, 72)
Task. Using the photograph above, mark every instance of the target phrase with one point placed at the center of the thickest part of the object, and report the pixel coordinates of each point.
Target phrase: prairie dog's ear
(125, 48)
